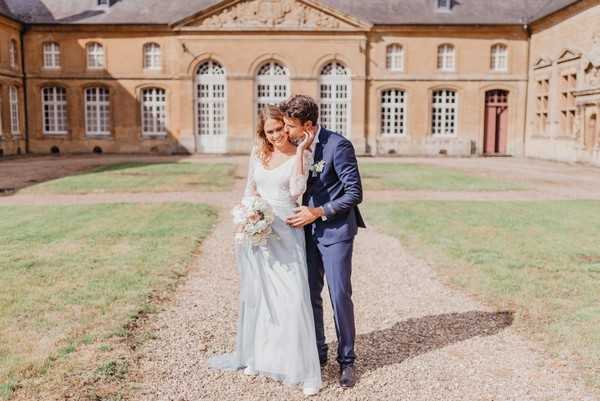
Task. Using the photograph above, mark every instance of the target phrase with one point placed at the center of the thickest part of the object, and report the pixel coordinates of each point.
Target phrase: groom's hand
(304, 215)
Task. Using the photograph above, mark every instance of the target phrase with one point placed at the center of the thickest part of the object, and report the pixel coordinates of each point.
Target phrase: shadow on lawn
(93, 168)
(413, 337)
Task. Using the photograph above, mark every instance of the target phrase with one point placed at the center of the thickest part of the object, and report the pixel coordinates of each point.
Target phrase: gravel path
(417, 339)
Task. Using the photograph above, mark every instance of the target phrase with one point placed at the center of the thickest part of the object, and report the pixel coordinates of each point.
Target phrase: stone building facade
(12, 127)
(418, 77)
(564, 86)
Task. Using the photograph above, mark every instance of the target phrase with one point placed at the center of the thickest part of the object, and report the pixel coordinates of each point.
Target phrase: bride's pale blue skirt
(275, 331)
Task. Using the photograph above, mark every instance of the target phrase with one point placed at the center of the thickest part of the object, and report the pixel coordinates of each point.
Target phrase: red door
(496, 122)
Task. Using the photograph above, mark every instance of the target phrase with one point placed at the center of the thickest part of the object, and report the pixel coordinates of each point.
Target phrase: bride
(275, 331)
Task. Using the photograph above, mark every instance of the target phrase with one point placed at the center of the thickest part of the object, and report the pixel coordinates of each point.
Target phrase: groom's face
(296, 129)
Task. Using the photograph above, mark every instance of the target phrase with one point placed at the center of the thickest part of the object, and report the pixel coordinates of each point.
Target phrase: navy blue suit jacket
(337, 188)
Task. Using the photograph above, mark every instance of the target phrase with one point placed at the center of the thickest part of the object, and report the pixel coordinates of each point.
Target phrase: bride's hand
(306, 141)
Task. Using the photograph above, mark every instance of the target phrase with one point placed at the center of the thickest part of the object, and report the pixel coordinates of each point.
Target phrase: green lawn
(541, 259)
(411, 177)
(143, 177)
(69, 274)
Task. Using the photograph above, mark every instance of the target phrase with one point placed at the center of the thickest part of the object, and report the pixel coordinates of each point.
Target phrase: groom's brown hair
(302, 107)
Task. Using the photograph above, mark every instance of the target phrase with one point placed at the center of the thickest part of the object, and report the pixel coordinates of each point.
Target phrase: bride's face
(275, 132)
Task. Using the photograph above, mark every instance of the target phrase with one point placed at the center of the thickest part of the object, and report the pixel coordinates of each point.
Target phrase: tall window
(51, 55)
(154, 111)
(54, 105)
(446, 58)
(95, 55)
(568, 109)
(444, 112)
(152, 56)
(211, 99)
(542, 100)
(272, 85)
(394, 57)
(14, 110)
(499, 58)
(393, 112)
(97, 111)
(335, 97)
(12, 53)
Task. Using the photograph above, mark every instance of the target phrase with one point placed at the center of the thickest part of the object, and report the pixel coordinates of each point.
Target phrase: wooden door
(496, 122)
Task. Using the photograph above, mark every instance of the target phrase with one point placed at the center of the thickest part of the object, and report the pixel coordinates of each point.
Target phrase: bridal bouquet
(254, 218)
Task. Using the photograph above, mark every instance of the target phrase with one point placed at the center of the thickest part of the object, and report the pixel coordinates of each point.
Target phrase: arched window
(446, 58)
(393, 112)
(54, 106)
(499, 57)
(335, 97)
(444, 112)
(12, 53)
(154, 111)
(152, 56)
(15, 128)
(51, 52)
(272, 85)
(97, 111)
(211, 99)
(394, 59)
(95, 55)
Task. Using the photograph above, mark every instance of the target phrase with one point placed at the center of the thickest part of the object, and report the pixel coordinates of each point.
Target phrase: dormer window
(103, 3)
(444, 5)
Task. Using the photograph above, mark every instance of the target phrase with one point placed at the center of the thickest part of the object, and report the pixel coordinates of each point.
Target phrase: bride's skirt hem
(310, 386)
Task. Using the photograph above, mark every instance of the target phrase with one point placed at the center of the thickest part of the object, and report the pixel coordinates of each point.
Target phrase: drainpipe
(25, 98)
(367, 43)
(526, 116)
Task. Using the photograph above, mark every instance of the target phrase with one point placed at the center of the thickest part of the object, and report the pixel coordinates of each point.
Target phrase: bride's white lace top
(280, 186)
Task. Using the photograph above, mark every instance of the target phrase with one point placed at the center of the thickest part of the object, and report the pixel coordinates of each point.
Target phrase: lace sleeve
(297, 180)
(250, 183)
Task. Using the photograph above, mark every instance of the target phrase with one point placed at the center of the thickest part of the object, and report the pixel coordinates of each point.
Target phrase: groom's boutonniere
(317, 168)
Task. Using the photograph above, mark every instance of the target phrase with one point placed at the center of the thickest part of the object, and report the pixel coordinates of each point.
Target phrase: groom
(330, 218)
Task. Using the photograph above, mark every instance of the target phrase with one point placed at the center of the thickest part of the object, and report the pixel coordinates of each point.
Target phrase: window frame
(98, 104)
(443, 108)
(445, 56)
(335, 80)
(404, 114)
(155, 122)
(53, 54)
(146, 55)
(495, 57)
(274, 83)
(55, 103)
(15, 115)
(390, 56)
(90, 55)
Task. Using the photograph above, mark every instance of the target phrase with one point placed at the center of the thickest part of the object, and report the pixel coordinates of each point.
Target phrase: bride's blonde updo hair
(263, 146)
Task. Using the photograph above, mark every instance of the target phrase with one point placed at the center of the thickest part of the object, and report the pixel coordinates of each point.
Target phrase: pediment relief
(568, 55)
(542, 62)
(259, 15)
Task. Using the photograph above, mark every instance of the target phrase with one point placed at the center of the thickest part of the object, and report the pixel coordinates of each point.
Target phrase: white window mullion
(272, 85)
(335, 101)
(14, 111)
(444, 112)
(393, 112)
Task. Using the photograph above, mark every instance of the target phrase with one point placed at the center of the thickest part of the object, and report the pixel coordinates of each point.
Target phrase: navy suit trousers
(335, 263)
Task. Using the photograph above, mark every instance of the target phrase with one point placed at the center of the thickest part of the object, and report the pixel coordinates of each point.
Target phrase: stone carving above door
(270, 15)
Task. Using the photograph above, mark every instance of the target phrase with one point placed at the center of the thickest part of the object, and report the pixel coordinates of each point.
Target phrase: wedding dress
(275, 330)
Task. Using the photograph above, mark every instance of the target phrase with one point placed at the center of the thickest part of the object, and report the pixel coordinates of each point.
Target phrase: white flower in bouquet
(254, 218)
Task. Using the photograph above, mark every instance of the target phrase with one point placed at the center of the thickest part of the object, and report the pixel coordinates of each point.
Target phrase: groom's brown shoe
(347, 376)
